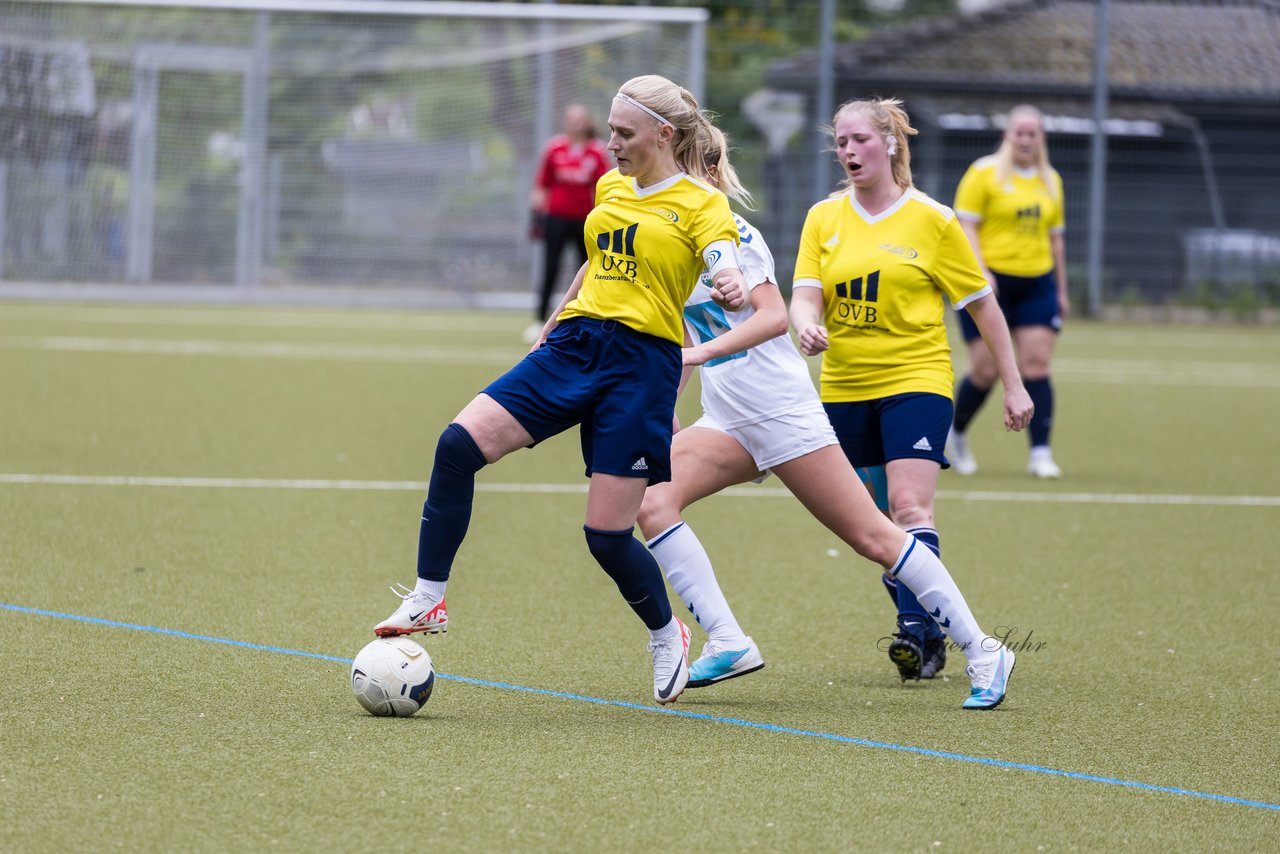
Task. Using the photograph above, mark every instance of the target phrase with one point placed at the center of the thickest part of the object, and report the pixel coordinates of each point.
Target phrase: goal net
(335, 143)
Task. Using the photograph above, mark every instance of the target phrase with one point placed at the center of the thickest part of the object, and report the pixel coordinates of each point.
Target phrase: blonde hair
(890, 120)
(715, 155)
(678, 106)
(1004, 154)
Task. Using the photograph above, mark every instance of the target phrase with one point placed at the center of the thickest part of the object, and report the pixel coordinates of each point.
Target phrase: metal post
(1098, 161)
(698, 60)
(142, 170)
(4, 206)
(1210, 175)
(824, 105)
(542, 130)
(250, 231)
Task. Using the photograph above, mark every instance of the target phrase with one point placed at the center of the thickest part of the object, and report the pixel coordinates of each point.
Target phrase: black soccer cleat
(907, 654)
(935, 657)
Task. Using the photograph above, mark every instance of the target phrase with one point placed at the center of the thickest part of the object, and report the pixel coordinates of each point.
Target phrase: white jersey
(764, 382)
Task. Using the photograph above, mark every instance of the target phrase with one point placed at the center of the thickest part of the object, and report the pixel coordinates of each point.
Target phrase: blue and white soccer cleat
(990, 678)
(670, 665)
(718, 663)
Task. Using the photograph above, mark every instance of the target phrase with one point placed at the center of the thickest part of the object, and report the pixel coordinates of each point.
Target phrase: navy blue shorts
(619, 384)
(909, 426)
(1024, 301)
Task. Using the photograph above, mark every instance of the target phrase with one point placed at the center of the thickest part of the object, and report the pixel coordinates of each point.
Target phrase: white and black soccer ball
(392, 676)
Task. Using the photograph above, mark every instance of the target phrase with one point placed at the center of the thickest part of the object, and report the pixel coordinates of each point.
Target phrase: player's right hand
(813, 339)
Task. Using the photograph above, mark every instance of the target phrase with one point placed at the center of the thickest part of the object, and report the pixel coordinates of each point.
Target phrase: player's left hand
(1018, 409)
(1064, 305)
(727, 290)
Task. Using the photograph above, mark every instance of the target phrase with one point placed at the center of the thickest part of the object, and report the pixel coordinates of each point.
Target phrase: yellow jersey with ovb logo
(644, 251)
(883, 278)
(1014, 219)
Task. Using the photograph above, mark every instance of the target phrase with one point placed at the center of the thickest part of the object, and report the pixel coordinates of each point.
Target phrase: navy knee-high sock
(1041, 392)
(447, 511)
(969, 399)
(929, 538)
(636, 573)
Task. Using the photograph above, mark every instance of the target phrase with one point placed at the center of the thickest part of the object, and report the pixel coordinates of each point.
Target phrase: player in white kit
(761, 414)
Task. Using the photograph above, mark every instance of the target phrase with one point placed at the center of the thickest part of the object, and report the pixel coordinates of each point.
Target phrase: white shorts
(778, 440)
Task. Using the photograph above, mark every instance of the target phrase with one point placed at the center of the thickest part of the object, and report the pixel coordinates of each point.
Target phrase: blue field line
(680, 713)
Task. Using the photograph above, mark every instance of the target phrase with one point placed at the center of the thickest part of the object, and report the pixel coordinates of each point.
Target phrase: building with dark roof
(1193, 183)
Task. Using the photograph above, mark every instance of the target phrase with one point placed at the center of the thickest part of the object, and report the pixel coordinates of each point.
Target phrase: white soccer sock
(688, 568)
(927, 577)
(433, 590)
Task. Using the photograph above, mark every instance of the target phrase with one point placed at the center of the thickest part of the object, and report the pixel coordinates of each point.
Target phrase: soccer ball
(392, 676)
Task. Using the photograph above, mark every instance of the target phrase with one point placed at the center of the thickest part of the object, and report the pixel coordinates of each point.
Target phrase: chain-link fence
(364, 145)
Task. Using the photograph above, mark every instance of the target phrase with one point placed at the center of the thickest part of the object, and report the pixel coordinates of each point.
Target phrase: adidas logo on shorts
(640, 465)
(923, 444)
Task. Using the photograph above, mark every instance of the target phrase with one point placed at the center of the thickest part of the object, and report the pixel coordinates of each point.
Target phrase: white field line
(581, 488)
(1252, 374)
(269, 319)
(1103, 371)
(265, 349)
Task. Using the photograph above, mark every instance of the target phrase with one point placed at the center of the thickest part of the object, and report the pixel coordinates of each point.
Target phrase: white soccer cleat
(719, 662)
(959, 455)
(1040, 464)
(416, 613)
(670, 665)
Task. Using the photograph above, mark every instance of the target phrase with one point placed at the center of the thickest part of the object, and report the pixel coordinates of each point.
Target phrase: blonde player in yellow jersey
(608, 360)
(1010, 205)
(875, 262)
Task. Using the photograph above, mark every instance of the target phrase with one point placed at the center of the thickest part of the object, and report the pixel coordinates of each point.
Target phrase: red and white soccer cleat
(415, 614)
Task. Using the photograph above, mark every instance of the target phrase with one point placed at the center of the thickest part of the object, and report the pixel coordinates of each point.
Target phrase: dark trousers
(557, 233)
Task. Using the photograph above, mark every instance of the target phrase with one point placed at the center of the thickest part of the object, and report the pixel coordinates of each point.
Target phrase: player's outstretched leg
(990, 664)
(813, 478)
(446, 514)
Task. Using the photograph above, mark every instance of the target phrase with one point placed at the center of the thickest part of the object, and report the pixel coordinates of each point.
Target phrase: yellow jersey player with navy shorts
(762, 414)
(609, 360)
(1010, 206)
(876, 261)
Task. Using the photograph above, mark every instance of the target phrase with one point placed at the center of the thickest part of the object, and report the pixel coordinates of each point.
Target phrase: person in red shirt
(564, 192)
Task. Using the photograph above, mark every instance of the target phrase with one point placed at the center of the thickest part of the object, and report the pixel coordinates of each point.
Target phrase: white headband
(636, 103)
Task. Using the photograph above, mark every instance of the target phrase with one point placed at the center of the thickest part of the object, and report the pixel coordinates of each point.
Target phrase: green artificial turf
(1147, 630)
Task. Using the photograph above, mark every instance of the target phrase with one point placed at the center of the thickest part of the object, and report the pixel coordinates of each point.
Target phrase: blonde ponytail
(712, 147)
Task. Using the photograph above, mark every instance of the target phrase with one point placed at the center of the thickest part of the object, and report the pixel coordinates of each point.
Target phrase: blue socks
(1041, 392)
(447, 511)
(969, 399)
(636, 573)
